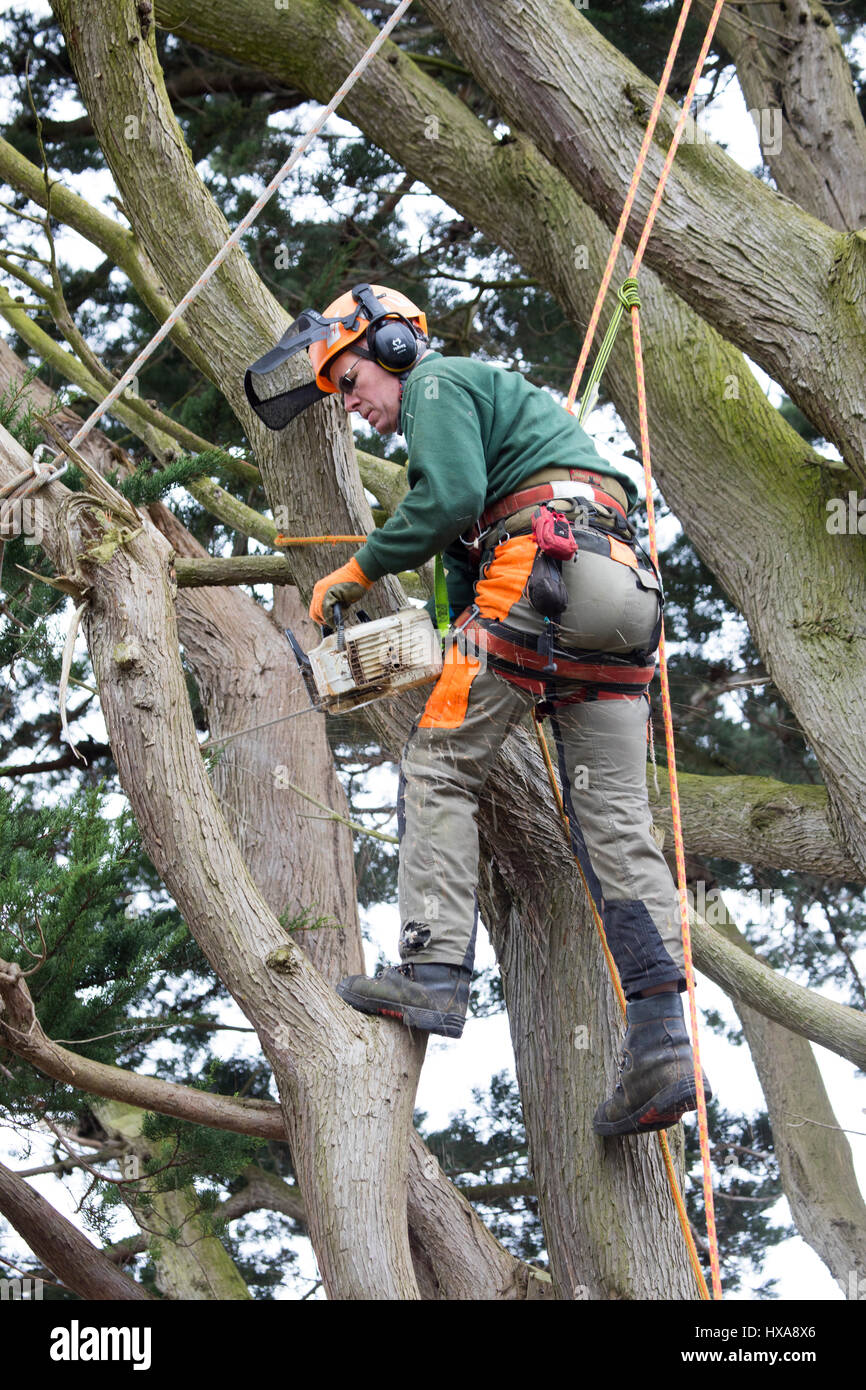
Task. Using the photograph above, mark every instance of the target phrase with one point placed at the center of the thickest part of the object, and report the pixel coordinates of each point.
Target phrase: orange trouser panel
(506, 577)
(622, 552)
(446, 708)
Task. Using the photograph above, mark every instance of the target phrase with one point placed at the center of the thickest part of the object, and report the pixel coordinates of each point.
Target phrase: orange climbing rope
(633, 304)
(318, 540)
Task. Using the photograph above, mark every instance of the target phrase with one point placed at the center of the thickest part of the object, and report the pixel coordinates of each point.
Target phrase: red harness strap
(533, 496)
(515, 656)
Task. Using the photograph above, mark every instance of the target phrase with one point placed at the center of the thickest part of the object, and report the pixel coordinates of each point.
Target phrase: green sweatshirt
(474, 432)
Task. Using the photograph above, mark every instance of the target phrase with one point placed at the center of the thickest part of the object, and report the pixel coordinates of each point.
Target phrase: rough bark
(351, 1160)
(456, 1251)
(718, 445)
(791, 65)
(191, 1263)
(814, 1155)
(61, 1246)
(545, 66)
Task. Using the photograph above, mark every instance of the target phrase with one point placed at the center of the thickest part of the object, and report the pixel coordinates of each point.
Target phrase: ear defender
(393, 343)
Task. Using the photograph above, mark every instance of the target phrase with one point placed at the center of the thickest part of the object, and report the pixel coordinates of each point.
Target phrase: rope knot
(628, 293)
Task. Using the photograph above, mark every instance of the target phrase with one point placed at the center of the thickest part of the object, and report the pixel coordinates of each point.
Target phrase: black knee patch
(414, 936)
(637, 947)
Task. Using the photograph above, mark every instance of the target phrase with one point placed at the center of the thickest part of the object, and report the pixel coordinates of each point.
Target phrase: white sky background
(454, 1068)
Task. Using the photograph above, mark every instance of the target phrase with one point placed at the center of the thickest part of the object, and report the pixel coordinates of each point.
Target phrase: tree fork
(321, 1051)
(466, 1260)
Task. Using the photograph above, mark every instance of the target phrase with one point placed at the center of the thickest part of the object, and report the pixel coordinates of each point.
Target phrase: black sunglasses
(346, 382)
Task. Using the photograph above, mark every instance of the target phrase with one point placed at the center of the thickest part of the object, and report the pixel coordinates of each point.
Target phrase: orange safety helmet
(394, 331)
(354, 314)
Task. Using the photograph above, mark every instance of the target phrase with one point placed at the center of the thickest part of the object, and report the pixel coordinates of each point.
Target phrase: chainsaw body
(370, 661)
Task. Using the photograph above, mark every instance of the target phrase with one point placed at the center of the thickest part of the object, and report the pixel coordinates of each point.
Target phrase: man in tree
(547, 581)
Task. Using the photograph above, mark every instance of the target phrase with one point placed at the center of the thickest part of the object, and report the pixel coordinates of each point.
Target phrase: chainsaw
(374, 659)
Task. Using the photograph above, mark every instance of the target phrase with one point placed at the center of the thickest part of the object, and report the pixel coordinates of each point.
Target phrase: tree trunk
(191, 1263)
(247, 675)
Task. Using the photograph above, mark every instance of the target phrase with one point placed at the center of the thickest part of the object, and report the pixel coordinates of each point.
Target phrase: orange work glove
(346, 585)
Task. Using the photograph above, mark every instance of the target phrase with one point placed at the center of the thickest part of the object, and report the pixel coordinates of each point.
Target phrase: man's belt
(578, 485)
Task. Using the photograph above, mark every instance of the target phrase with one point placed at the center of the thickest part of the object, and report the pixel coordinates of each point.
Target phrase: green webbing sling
(440, 592)
(627, 298)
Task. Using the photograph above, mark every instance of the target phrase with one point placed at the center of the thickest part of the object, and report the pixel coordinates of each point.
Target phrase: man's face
(372, 391)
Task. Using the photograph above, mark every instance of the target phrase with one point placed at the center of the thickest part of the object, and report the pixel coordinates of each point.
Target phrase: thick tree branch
(747, 980)
(545, 65)
(797, 84)
(23, 1035)
(61, 1247)
(756, 820)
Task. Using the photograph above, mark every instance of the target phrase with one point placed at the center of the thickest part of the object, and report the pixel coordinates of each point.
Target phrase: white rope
(180, 309)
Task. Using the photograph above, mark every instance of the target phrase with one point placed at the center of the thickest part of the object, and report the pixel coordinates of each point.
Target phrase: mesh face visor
(309, 327)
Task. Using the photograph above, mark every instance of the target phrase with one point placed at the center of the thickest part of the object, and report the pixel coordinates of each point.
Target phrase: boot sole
(426, 1020)
(660, 1112)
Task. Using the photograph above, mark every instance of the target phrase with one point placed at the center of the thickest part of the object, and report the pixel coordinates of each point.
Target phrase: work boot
(430, 997)
(656, 1072)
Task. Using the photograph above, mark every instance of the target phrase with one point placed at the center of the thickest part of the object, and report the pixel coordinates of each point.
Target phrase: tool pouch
(552, 533)
(546, 589)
